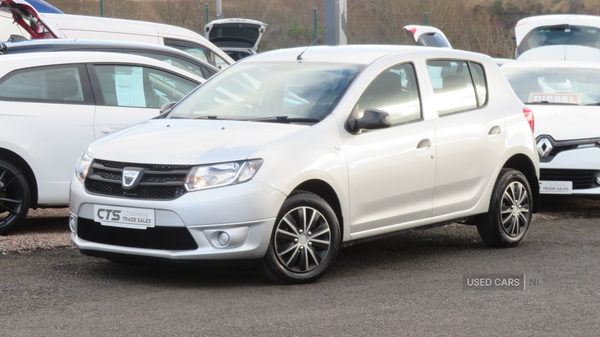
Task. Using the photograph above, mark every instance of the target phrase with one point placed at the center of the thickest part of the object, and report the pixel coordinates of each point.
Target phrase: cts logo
(109, 214)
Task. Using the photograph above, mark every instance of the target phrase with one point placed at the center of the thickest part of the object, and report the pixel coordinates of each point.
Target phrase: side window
(193, 49)
(480, 84)
(396, 92)
(219, 62)
(136, 86)
(54, 84)
(453, 85)
(174, 61)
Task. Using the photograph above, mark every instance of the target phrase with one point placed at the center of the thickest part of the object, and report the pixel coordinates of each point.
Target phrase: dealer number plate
(556, 187)
(127, 217)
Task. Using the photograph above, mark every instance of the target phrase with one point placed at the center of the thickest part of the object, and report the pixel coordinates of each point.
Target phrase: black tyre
(14, 197)
(509, 215)
(305, 242)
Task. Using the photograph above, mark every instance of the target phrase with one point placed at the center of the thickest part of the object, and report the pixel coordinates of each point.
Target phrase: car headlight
(83, 166)
(222, 174)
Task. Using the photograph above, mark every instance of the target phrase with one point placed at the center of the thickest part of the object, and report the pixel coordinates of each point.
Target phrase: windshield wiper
(286, 119)
(598, 103)
(207, 117)
(548, 102)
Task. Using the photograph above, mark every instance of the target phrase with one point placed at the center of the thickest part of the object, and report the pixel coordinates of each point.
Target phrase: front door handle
(109, 130)
(425, 143)
(494, 130)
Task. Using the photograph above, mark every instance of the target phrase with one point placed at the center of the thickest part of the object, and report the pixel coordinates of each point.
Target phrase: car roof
(68, 22)
(18, 61)
(59, 44)
(357, 54)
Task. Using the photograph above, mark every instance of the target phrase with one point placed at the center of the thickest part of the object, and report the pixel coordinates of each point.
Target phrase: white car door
(129, 94)
(470, 135)
(391, 171)
(47, 113)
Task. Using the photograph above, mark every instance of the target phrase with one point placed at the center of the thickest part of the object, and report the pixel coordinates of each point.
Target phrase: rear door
(470, 134)
(127, 94)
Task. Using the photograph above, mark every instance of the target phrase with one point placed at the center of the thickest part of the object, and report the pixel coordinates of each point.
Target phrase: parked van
(20, 21)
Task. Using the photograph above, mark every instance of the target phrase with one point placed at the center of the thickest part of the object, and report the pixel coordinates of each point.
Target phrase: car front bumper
(580, 166)
(245, 213)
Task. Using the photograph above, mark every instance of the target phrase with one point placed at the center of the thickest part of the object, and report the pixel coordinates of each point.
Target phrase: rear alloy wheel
(509, 216)
(14, 197)
(305, 241)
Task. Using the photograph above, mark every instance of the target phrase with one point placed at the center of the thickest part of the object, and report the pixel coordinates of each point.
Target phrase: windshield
(555, 85)
(282, 91)
(560, 34)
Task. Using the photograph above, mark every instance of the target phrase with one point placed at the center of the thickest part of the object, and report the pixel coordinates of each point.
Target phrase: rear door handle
(494, 130)
(425, 143)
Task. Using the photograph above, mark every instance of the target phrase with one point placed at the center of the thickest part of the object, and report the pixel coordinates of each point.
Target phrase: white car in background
(52, 105)
(19, 20)
(563, 91)
(557, 29)
(288, 155)
(239, 38)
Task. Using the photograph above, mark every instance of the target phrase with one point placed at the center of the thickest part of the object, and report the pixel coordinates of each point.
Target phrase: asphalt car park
(410, 283)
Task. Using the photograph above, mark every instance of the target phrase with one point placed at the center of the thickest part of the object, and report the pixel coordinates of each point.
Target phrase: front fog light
(72, 223)
(223, 239)
(598, 178)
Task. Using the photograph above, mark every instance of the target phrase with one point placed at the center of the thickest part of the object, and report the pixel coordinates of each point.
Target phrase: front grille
(157, 181)
(582, 179)
(168, 238)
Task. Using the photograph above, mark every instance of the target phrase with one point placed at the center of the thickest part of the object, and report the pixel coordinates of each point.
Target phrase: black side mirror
(372, 119)
(167, 106)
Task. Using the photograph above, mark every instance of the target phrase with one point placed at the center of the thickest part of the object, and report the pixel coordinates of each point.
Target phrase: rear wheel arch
(22, 165)
(523, 164)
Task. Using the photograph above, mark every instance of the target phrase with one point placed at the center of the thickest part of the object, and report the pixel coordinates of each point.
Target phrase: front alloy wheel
(14, 197)
(305, 241)
(509, 215)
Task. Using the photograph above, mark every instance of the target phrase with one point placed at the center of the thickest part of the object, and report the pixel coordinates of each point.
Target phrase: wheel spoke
(514, 227)
(323, 242)
(302, 220)
(321, 232)
(313, 219)
(3, 208)
(287, 250)
(293, 256)
(279, 230)
(313, 255)
(290, 221)
(14, 201)
(7, 184)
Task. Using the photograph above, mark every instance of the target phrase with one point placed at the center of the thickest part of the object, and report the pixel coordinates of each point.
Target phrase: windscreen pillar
(335, 22)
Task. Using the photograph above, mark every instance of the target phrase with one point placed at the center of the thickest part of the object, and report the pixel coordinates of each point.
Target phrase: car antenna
(299, 57)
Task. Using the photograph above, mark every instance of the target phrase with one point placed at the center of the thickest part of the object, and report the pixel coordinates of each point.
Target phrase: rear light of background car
(529, 117)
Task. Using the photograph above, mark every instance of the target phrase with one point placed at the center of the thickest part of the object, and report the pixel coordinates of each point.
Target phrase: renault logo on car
(131, 177)
(544, 147)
